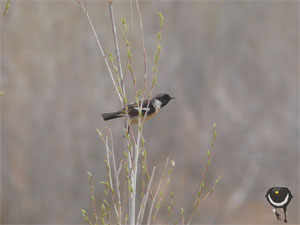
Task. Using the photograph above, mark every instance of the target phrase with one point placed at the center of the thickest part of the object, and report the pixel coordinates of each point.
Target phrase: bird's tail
(114, 115)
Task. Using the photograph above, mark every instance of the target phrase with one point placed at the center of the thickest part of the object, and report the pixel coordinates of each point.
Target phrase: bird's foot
(278, 216)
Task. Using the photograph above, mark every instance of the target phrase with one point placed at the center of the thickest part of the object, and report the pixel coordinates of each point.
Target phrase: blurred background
(232, 63)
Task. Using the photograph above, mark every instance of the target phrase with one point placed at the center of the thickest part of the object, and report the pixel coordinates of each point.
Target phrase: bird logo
(279, 198)
(151, 108)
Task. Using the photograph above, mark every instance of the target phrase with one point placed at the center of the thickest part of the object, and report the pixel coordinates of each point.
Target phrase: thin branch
(145, 199)
(158, 36)
(139, 135)
(129, 175)
(114, 31)
(145, 172)
(134, 177)
(130, 41)
(116, 175)
(125, 197)
(157, 191)
(212, 189)
(130, 36)
(110, 176)
(144, 48)
(84, 9)
(93, 197)
(170, 208)
(107, 161)
(204, 172)
(129, 54)
(167, 181)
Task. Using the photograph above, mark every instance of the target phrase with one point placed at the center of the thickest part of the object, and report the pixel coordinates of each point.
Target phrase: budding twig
(157, 191)
(84, 9)
(114, 31)
(145, 199)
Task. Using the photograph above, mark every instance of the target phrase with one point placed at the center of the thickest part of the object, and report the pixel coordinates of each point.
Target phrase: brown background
(233, 63)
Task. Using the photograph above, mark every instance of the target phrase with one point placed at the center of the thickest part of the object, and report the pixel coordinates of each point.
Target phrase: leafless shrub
(135, 152)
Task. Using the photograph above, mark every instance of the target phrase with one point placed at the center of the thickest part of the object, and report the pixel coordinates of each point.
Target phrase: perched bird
(155, 105)
(279, 197)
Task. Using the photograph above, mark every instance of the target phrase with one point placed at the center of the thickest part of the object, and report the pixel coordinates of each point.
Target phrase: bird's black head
(163, 98)
(279, 194)
(277, 191)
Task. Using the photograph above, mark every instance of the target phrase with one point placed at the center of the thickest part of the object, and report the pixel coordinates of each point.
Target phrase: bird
(279, 197)
(155, 104)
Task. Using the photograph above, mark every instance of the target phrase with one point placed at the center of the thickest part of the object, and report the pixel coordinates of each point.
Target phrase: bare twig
(145, 199)
(140, 125)
(167, 181)
(111, 185)
(130, 174)
(170, 208)
(144, 48)
(129, 54)
(110, 177)
(198, 199)
(116, 175)
(134, 177)
(212, 189)
(158, 36)
(157, 191)
(114, 31)
(145, 172)
(93, 197)
(124, 201)
(84, 9)
(130, 21)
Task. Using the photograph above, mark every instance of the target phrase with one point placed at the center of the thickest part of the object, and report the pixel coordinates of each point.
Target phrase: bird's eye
(276, 192)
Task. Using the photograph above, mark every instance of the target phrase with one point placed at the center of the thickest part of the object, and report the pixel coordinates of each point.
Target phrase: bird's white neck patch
(157, 103)
(279, 203)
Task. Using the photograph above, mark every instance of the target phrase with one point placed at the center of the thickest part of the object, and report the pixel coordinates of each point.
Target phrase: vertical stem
(116, 175)
(134, 177)
(84, 9)
(144, 48)
(140, 124)
(145, 199)
(110, 177)
(114, 31)
(156, 193)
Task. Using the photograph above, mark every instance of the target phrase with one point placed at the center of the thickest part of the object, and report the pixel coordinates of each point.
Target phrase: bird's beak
(172, 97)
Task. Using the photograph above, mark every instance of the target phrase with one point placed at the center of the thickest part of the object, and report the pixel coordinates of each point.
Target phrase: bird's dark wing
(133, 108)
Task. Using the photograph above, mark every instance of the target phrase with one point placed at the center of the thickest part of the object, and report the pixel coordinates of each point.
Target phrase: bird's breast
(135, 120)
